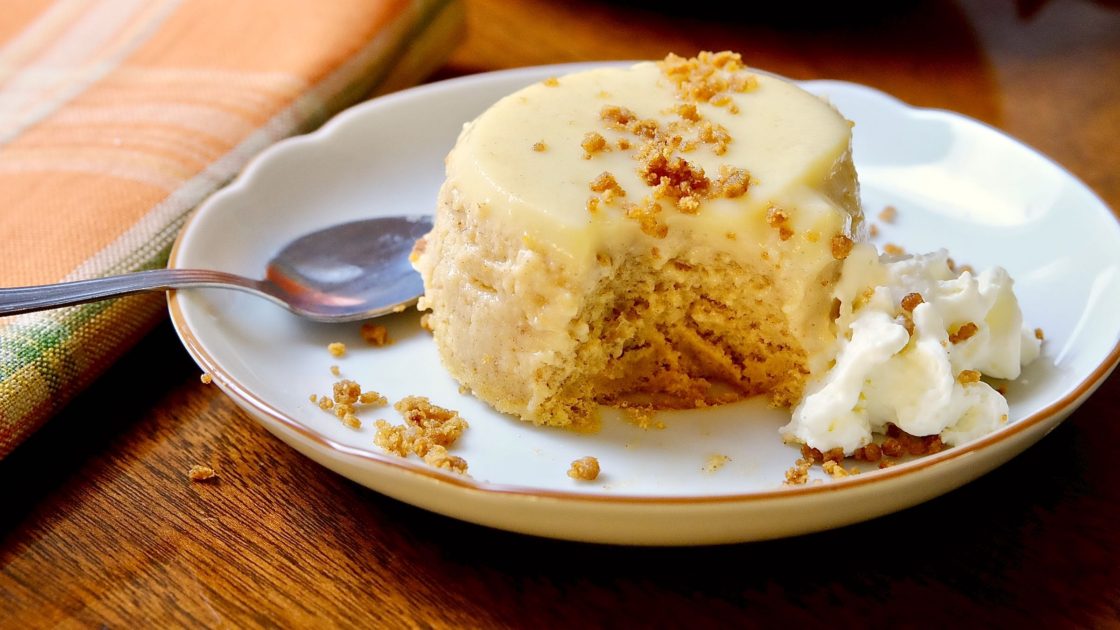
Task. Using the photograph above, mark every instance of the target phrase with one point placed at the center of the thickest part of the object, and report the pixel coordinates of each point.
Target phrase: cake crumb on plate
(584, 469)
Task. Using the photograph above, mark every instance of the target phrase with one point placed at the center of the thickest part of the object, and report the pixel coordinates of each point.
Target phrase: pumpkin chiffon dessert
(665, 235)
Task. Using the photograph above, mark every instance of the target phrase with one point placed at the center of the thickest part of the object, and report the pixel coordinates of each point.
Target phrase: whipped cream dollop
(913, 337)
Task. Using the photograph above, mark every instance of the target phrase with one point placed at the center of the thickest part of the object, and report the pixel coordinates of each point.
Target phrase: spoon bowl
(346, 272)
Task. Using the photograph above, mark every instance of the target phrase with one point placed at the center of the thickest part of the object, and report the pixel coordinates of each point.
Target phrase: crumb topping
(911, 302)
(888, 214)
(593, 142)
(205, 378)
(540, 146)
(965, 332)
(1038, 334)
(778, 219)
(733, 182)
(968, 376)
(708, 78)
(606, 183)
(584, 469)
(648, 215)
(551, 82)
(337, 349)
(893, 250)
(841, 246)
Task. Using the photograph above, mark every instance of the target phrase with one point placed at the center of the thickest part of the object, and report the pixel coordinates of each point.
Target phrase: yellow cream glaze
(795, 146)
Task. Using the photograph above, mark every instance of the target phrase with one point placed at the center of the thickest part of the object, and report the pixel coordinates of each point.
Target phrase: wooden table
(100, 526)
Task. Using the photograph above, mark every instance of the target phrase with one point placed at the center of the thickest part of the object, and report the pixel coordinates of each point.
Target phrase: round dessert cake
(666, 235)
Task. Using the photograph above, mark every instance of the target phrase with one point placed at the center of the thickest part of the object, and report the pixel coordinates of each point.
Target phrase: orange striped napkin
(117, 117)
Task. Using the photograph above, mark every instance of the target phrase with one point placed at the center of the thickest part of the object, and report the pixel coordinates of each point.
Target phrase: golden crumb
(870, 453)
(351, 421)
(968, 376)
(873, 230)
(689, 205)
(335, 371)
(325, 403)
(841, 246)
(205, 378)
(893, 250)
(201, 473)
(593, 204)
(540, 146)
(965, 332)
(733, 182)
(336, 348)
(623, 144)
(617, 117)
(375, 334)
(715, 462)
(892, 447)
(584, 469)
(708, 77)
(429, 425)
(594, 142)
(648, 215)
(673, 176)
(605, 183)
(551, 82)
(391, 438)
(313, 398)
(372, 398)
(888, 214)
(798, 474)
(1039, 335)
(347, 391)
(438, 457)
(911, 302)
(688, 112)
(886, 463)
(834, 470)
(778, 219)
(341, 410)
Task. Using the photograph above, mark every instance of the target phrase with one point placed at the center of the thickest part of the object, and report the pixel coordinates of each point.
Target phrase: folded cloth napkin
(117, 117)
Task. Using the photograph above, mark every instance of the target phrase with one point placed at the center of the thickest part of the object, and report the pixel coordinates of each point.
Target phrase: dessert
(686, 233)
(663, 235)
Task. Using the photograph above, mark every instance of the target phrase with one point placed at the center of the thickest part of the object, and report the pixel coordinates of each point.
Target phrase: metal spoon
(343, 273)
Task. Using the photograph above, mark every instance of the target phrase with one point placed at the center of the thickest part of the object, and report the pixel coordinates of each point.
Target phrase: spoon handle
(38, 298)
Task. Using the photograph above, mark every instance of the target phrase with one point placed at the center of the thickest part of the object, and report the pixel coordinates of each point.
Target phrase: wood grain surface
(100, 527)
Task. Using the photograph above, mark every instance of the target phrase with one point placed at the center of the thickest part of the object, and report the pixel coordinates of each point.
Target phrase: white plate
(956, 182)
